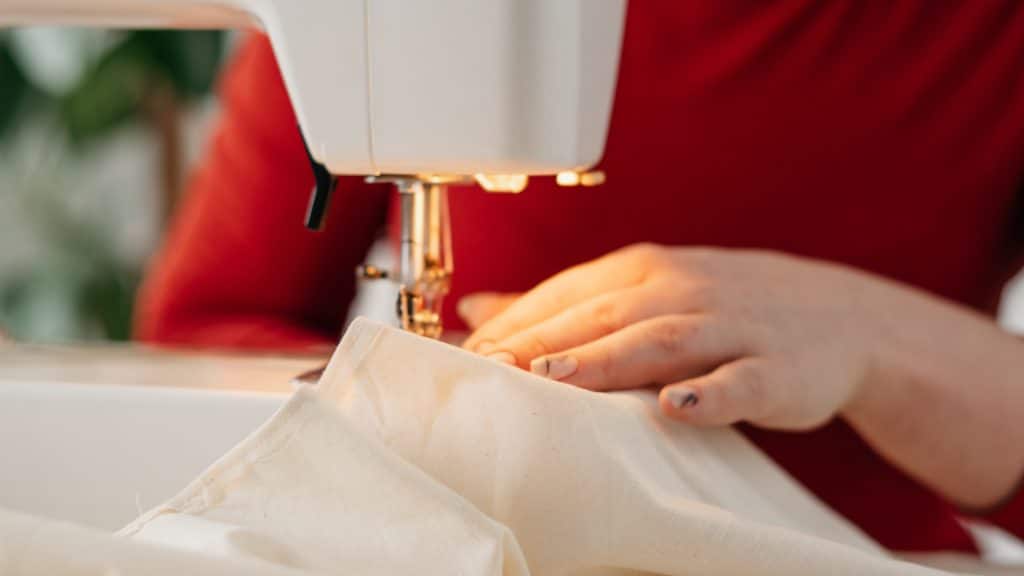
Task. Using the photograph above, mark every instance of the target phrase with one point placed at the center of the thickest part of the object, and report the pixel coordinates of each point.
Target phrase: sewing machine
(423, 94)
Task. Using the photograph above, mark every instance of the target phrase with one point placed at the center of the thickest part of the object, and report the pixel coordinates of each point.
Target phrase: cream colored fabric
(310, 492)
(415, 457)
(32, 546)
(588, 483)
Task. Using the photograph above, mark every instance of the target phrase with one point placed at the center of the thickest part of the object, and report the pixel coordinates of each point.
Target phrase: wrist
(890, 349)
(939, 398)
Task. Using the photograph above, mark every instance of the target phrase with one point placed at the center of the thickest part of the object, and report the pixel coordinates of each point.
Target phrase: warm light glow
(512, 183)
(595, 178)
(571, 178)
(568, 178)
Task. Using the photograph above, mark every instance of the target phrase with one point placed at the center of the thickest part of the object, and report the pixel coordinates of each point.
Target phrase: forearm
(944, 400)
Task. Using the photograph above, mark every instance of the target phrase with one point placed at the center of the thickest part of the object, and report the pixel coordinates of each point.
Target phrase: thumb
(736, 391)
(475, 309)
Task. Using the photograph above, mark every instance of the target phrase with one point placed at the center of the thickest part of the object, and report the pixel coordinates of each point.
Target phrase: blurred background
(98, 130)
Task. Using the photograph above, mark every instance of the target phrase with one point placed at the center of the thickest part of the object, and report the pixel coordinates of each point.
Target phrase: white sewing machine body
(455, 87)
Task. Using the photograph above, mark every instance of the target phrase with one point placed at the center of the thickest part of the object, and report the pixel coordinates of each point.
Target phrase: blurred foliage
(14, 86)
(115, 89)
(82, 279)
(79, 290)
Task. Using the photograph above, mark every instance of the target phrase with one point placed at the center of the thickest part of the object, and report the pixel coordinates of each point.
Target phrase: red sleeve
(238, 267)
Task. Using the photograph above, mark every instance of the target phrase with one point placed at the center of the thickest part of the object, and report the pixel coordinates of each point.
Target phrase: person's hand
(782, 342)
(779, 341)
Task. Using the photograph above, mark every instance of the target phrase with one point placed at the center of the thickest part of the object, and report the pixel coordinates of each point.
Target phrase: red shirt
(884, 135)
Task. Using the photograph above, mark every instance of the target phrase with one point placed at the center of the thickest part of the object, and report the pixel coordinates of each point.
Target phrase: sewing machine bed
(72, 417)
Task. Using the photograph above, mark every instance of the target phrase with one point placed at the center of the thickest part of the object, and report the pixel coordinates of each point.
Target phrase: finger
(585, 322)
(739, 390)
(475, 309)
(654, 351)
(615, 271)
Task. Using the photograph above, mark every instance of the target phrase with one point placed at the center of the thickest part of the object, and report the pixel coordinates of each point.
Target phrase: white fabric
(32, 546)
(415, 457)
(309, 491)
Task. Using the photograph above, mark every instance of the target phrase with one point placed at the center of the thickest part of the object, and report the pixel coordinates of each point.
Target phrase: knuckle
(642, 248)
(549, 299)
(608, 315)
(671, 333)
(647, 252)
(532, 345)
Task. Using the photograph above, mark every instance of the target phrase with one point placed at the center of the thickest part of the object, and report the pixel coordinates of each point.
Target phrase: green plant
(144, 77)
(15, 89)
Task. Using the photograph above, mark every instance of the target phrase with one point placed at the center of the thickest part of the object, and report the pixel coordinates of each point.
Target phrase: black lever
(323, 186)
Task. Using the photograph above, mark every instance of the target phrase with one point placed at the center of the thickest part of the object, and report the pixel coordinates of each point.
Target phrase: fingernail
(503, 357)
(554, 367)
(484, 347)
(681, 397)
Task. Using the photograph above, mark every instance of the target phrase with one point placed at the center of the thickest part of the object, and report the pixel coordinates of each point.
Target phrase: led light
(572, 178)
(568, 178)
(595, 178)
(512, 183)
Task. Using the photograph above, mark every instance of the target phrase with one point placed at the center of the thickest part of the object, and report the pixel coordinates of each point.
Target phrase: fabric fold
(588, 482)
(309, 492)
(415, 457)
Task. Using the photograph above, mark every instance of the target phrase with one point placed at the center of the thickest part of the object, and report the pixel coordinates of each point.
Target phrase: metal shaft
(424, 259)
(413, 214)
